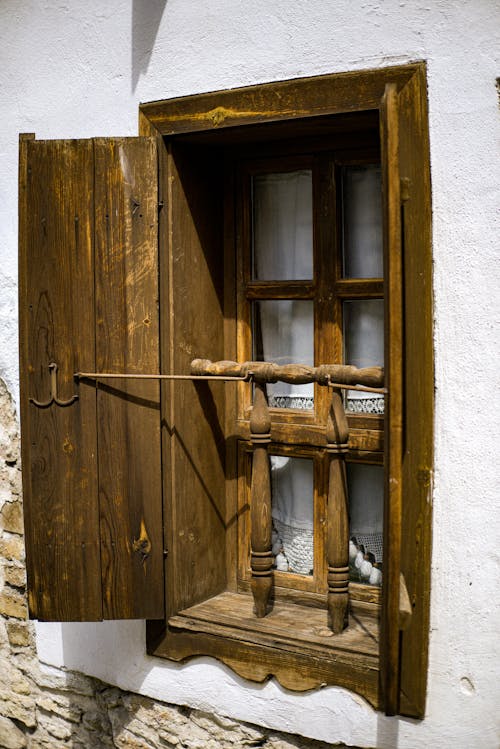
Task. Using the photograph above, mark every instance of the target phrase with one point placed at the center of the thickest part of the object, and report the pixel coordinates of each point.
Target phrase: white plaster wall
(79, 69)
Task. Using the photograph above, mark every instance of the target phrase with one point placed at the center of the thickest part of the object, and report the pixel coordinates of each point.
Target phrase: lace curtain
(283, 330)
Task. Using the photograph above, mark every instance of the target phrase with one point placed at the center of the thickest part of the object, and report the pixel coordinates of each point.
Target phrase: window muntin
(325, 320)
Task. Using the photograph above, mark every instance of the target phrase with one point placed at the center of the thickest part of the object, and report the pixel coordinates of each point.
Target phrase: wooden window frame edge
(312, 97)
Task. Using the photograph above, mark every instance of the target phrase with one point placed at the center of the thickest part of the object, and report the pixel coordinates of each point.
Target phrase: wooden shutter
(89, 302)
(409, 407)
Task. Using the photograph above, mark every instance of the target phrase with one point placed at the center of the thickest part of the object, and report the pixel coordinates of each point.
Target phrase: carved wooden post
(337, 434)
(260, 510)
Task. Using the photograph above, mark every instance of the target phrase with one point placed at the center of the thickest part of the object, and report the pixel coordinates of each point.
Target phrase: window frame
(327, 281)
(328, 95)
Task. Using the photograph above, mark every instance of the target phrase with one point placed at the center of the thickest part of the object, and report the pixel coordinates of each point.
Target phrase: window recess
(237, 228)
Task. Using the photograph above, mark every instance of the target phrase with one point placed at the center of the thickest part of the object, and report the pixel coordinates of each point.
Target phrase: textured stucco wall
(75, 69)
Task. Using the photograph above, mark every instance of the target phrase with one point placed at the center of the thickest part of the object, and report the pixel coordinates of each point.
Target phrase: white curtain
(283, 250)
(284, 329)
(362, 220)
(282, 226)
(364, 347)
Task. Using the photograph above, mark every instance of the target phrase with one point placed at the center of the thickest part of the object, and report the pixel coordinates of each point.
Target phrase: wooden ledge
(292, 643)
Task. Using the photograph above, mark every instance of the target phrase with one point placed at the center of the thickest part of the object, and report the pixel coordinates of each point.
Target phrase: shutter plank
(127, 340)
(409, 410)
(389, 114)
(419, 392)
(57, 325)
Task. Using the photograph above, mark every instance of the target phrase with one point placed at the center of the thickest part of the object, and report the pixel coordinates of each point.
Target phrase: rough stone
(19, 634)
(69, 712)
(50, 678)
(10, 735)
(54, 727)
(12, 547)
(12, 603)
(95, 721)
(11, 517)
(18, 707)
(14, 575)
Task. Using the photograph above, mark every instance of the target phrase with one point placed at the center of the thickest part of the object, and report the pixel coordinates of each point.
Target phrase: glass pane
(283, 332)
(282, 226)
(362, 222)
(364, 347)
(365, 485)
(292, 484)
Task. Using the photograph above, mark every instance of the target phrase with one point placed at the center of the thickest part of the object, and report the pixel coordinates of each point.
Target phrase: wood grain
(292, 373)
(57, 325)
(24, 394)
(127, 340)
(193, 417)
(393, 358)
(285, 100)
(292, 643)
(337, 434)
(261, 556)
(416, 539)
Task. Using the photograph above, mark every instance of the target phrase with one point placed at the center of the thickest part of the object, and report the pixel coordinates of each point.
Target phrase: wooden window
(166, 249)
(308, 244)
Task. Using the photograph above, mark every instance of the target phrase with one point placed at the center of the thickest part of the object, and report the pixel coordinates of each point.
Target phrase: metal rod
(363, 388)
(123, 376)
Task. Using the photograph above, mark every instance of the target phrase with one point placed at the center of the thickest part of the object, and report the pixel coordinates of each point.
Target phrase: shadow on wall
(146, 19)
(387, 732)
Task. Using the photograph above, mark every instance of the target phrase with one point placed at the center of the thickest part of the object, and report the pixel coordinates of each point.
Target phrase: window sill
(292, 643)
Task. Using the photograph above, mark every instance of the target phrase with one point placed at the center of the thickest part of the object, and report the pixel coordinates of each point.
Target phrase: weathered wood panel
(418, 390)
(193, 418)
(272, 102)
(393, 358)
(128, 412)
(57, 326)
(292, 643)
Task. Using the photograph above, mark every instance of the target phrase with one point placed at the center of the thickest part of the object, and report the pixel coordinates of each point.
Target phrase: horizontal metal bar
(245, 378)
(127, 376)
(363, 388)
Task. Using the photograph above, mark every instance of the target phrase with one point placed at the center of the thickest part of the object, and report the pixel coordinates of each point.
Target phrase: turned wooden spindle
(297, 374)
(337, 434)
(261, 558)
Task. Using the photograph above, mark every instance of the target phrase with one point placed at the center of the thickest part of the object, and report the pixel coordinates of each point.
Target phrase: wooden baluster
(260, 510)
(337, 434)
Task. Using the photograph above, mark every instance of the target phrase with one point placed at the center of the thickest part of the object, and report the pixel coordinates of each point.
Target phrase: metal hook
(53, 392)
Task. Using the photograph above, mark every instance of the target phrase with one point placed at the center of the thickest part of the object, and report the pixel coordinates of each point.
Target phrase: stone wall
(41, 706)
